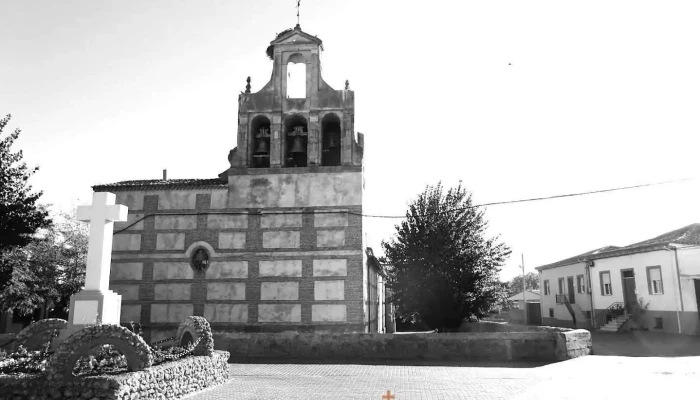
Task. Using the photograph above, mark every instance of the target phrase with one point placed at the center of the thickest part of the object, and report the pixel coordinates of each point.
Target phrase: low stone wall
(544, 345)
(165, 381)
(489, 326)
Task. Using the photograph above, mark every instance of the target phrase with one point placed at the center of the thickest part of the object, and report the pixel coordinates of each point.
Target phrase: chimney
(165, 174)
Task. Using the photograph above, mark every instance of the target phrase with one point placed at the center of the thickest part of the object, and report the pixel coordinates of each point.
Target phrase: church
(275, 242)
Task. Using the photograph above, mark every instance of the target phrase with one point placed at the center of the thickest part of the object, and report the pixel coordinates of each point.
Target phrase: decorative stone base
(87, 307)
(171, 380)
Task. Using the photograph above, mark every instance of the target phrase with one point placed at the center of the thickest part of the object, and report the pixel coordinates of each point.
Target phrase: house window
(580, 284)
(605, 285)
(551, 313)
(656, 285)
(561, 286)
(546, 288)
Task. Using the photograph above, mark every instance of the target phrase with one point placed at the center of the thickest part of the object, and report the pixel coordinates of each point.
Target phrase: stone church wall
(277, 263)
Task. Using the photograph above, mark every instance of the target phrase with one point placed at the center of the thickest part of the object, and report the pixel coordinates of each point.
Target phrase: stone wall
(551, 344)
(169, 380)
(277, 263)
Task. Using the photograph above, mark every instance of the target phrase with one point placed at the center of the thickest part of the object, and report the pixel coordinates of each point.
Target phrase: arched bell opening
(260, 133)
(296, 143)
(296, 77)
(330, 140)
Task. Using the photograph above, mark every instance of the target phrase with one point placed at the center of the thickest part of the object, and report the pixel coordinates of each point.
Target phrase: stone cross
(101, 215)
(96, 303)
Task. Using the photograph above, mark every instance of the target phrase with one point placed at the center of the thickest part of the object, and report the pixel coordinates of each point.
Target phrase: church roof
(160, 184)
(284, 36)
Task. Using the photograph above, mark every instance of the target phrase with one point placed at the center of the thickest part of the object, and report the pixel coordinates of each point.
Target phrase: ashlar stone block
(177, 200)
(226, 312)
(281, 220)
(334, 238)
(128, 292)
(280, 268)
(170, 241)
(227, 270)
(218, 199)
(279, 312)
(330, 218)
(226, 291)
(172, 291)
(130, 312)
(330, 267)
(328, 313)
(126, 271)
(126, 242)
(232, 240)
(172, 270)
(222, 221)
(132, 200)
(279, 291)
(130, 219)
(170, 312)
(329, 290)
(281, 240)
(176, 222)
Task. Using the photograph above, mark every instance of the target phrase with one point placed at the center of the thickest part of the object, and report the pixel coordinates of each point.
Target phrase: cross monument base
(90, 307)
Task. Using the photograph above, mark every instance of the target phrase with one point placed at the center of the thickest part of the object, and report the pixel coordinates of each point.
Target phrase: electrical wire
(403, 216)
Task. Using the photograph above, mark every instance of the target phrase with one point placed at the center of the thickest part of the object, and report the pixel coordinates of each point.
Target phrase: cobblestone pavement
(599, 377)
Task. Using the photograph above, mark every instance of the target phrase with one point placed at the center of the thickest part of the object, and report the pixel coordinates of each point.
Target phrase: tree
(532, 282)
(20, 215)
(48, 270)
(444, 268)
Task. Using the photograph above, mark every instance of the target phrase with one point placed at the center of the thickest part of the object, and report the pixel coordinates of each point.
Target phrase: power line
(396, 216)
(538, 198)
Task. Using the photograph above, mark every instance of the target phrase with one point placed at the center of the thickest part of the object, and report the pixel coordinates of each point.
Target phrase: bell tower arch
(305, 122)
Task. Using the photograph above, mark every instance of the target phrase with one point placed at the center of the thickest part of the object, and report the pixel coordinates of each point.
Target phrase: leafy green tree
(445, 269)
(48, 270)
(20, 215)
(532, 282)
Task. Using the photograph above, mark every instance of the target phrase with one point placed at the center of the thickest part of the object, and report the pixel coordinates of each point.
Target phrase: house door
(534, 314)
(570, 286)
(628, 288)
(697, 294)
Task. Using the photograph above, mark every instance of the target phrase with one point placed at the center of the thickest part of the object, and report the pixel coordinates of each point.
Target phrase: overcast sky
(517, 99)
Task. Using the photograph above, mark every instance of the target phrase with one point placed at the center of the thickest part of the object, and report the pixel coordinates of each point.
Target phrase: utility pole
(522, 257)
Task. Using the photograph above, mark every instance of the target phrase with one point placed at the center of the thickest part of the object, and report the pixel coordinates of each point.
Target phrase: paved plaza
(635, 366)
(599, 377)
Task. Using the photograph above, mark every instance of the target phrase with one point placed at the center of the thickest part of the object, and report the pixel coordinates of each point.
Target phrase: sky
(515, 99)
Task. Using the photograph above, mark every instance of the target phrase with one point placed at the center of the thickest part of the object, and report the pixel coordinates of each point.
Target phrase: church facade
(275, 242)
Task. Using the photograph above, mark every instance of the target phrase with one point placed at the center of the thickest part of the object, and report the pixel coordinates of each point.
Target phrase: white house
(603, 288)
(531, 296)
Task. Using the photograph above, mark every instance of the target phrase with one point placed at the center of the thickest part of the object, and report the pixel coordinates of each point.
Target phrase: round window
(200, 259)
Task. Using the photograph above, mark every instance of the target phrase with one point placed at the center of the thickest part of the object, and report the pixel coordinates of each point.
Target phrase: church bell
(298, 146)
(262, 148)
(333, 141)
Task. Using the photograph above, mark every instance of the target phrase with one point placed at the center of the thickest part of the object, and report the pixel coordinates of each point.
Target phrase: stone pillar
(276, 141)
(243, 140)
(314, 140)
(346, 142)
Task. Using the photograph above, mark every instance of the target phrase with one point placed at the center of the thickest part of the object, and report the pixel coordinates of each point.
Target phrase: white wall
(689, 266)
(638, 262)
(549, 301)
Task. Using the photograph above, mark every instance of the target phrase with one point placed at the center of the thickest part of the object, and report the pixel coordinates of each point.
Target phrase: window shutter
(655, 274)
